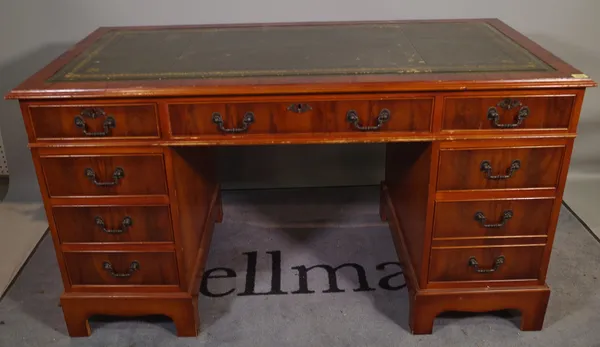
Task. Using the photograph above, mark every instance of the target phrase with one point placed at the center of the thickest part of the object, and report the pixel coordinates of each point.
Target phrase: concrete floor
(310, 227)
(22, 224)
(582, 195)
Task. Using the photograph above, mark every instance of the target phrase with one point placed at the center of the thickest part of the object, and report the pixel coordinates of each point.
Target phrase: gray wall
(33, 32)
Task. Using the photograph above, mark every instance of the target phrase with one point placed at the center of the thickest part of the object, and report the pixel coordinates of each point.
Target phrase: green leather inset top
(299, 50)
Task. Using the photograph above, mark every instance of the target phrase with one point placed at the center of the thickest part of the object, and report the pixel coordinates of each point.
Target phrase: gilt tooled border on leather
(70, 74)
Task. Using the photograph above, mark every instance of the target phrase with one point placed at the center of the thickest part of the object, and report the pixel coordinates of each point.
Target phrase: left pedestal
(131, 227)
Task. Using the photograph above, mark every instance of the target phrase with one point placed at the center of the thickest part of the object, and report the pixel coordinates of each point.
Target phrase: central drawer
(398, 114)
(126, 268)
(97, 175)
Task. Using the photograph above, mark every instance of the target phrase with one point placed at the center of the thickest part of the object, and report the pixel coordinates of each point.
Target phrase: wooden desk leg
(180, 307)
(421, 317)
(76, 319)
(532, 315)
(187, 319)
(530, 301)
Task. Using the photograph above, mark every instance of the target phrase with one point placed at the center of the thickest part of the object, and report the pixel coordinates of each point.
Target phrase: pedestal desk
(479, 123)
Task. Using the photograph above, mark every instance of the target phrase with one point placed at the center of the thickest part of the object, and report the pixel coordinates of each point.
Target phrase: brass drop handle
(126, 223)
(118, 174)
(246, 121)
(133, 267)
(486, 168)
(94, 113)
(508, 104)
(475, 265)
(506, 215)
(352, 118)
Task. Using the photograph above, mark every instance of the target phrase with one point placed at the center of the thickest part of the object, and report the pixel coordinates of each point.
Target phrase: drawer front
(113, 224)
(410, 115)
(485, 264)
(496, 218)
(105, 175)
(507, 113)
(94, 122)
(100, 268)
(499, 168)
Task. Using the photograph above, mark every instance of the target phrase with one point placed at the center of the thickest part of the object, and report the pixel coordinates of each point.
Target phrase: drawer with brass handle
(492, 218)
(90, 224)
(121, 268)
(499, 168)
(97, 175)
(94, 122)
(518, 111)
(201, 119)
(485, 263)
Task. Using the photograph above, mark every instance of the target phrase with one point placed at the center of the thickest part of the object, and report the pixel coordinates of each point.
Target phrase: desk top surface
(208, 60)
(346, 49)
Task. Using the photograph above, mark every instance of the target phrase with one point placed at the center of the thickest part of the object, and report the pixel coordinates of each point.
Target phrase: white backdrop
(33, 32)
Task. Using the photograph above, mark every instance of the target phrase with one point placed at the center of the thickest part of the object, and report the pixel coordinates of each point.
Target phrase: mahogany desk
(479, 123)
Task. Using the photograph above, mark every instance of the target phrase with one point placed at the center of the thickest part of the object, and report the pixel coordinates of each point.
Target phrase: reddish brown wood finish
(407, 176)
(488, 241)
(316, 137)
(530, 301)
(400, 242)
(545, 112)
(461, 169)
(438, 135)
(452, 264)
(467, 195)
(426, 304)
(457, 220)
(556, 211)
(215, 215)
(154, 268)
(48, 209)
(196, 190)
(180, 307)
(77, 224)
(66, 175)
(193, 120)
(57, 122)
(36, 86)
